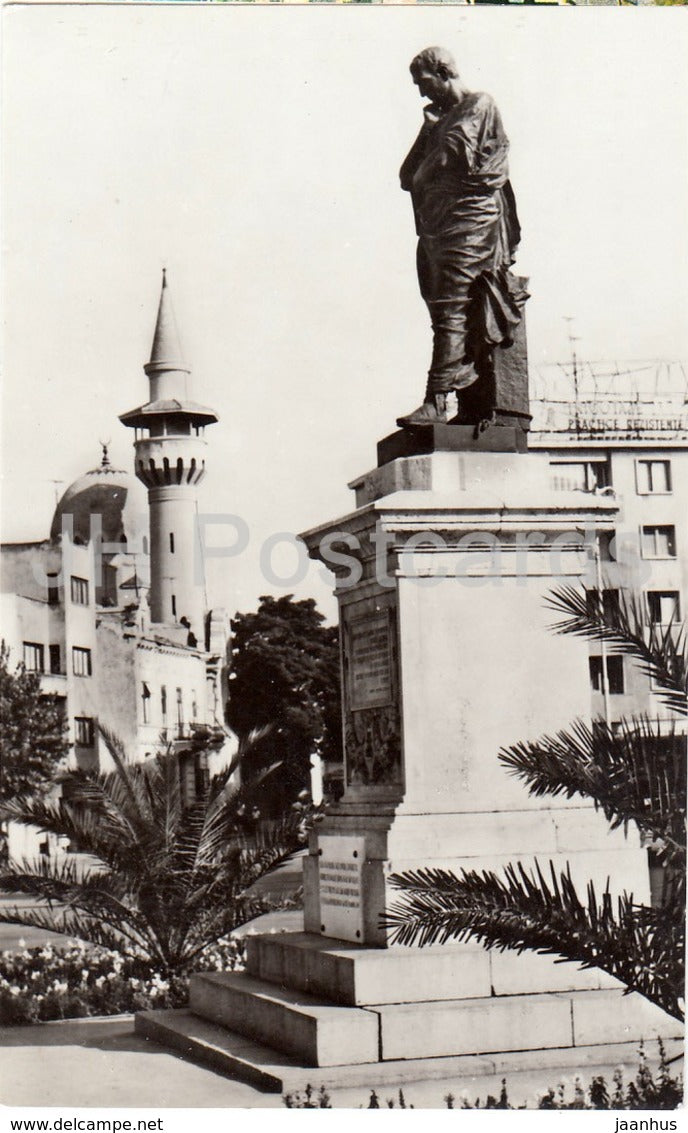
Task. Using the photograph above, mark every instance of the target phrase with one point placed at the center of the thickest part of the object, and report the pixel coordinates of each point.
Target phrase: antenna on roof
(573, 339)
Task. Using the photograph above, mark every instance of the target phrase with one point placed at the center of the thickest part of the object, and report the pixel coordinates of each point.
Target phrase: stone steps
(354, 976)
(320, 1033)
(264, 1068)
(221, 1049)
(318, 1010)
(519, 1022)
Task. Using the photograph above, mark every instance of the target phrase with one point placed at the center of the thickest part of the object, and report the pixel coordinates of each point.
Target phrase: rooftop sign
(621, 419)
(628, 404)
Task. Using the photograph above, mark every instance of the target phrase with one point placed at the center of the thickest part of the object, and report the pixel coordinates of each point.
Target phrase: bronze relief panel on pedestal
(372, 721)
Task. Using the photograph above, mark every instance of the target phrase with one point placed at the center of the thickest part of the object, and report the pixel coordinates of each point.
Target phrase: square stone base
(357, 1016)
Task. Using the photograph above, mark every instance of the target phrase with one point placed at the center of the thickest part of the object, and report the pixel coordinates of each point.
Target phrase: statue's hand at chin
(432, 113)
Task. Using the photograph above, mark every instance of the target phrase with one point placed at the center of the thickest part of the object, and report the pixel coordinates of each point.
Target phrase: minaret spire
(166, 352)
(170, 460)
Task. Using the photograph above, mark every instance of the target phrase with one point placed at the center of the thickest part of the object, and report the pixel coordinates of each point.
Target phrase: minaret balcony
(170, 460)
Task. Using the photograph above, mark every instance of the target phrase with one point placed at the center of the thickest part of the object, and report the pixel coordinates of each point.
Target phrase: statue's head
(435, 61)
(434, 71)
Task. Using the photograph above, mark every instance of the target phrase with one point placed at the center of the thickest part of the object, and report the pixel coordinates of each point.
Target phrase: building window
(653, 477)
(174, 606)
(180, 708)
(615, 674)
(187, 779)
(580, 475)
(145, 702)
(34, 657)
(172, 541)
(202, 774)
(600, 728)
(83, 731)
(663, 607)
(54, 658)
(194, 777)
(53, 591)
(658, 542)
(163, 704)
(79, 587)
(81, 661)
(606, 542)
(610, 602)
(194, 706)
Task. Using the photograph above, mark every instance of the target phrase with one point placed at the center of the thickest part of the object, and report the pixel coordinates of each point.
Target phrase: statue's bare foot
(429, 413)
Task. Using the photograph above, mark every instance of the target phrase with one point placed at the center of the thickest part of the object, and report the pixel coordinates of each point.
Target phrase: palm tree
(161, 880)
(636, 774)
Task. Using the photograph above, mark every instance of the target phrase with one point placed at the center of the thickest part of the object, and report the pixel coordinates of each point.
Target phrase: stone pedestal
(443, 572)
(447, 657)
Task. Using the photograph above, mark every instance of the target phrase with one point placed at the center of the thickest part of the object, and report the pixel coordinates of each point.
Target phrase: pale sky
(255, 153)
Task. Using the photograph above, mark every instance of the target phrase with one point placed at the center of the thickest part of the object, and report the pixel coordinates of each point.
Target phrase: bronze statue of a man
(468, 231)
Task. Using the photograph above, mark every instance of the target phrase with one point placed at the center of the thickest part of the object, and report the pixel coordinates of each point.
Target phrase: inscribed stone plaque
(370, 662)
(341, 899)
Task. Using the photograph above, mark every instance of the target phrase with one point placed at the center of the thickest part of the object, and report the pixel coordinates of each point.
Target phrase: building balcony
(196, 735)
(53, 683)
(170, 460)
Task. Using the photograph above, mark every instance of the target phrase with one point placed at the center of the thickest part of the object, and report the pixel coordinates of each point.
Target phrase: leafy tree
(636, 775)
(285, 676)
(33, 732)
(161, 880)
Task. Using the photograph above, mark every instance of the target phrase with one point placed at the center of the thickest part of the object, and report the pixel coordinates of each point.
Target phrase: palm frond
(636, 774)
(102, 834)
(524, 910)
(661, 652)
(62, 886)
(131, 790)
(70, 923)
(225, 811)
(164, 879)
(241, 912)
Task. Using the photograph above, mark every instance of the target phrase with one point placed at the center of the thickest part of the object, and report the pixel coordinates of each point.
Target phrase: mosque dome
(110, 493)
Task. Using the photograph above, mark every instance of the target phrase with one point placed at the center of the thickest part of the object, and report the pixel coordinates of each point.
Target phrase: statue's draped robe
(468, 230)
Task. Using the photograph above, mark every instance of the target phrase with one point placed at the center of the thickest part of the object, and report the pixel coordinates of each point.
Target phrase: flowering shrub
(308, 1099)
(645, 1091)
(40, 984)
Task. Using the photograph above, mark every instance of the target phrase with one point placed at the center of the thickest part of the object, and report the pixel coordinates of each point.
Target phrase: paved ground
(101, 1062)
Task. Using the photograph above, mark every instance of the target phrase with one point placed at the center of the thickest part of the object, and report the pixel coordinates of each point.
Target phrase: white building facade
(633, 446)
(89, 611)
